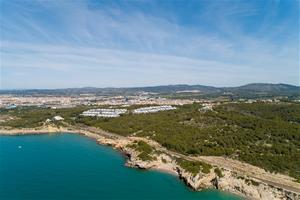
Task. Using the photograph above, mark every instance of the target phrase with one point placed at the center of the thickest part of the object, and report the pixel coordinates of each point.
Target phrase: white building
(153, 109)
(101, 112)
(58, 118)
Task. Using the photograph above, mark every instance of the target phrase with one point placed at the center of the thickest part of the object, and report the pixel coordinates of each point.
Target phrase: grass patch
(145, 157)
(144, 149)
(194, 167)
(218, 172)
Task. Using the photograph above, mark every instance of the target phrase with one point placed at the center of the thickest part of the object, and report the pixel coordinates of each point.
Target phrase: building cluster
(11, 101)
(153, 109)
(102, 112)
(274, 100)
(56, 102)
(142, 100)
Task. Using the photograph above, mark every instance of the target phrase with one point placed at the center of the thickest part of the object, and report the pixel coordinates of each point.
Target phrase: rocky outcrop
(252, 188)
(199, 181)
(230, 181)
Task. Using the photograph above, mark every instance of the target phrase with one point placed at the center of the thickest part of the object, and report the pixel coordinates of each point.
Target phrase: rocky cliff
(230, 181)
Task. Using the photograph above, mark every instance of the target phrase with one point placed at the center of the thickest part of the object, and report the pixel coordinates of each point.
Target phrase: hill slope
(249, 90)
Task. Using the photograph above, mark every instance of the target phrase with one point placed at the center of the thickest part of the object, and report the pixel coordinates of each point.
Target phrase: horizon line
(112, 87)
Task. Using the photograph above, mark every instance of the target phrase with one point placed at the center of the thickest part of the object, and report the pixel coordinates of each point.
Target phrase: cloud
(148, 48)
(115, 67)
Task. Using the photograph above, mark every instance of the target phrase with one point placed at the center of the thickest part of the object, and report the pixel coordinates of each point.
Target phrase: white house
(58, 118)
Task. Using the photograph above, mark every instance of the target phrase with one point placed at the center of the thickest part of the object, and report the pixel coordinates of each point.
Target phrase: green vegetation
(263, 134)
(251, 182)
(194, 167)
(282, 112)
(27, 117)
(144, 149)
(145, 156)
(248, 181)
(218, 172)
(32, 117)
(254, 183)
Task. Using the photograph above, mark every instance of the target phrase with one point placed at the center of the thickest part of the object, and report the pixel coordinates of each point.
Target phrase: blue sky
(60, 44)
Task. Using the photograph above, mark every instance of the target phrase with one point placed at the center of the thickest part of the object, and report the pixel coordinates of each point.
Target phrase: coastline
(230, 182)
(96, 137)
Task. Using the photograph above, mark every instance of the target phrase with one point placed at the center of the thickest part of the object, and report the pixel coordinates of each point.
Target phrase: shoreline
(93, 136)
(98, 138)
(229, 183)
(78, 132)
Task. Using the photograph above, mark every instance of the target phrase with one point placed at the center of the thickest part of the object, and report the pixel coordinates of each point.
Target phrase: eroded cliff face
(248, 187)
(229, 181)
(240, 185)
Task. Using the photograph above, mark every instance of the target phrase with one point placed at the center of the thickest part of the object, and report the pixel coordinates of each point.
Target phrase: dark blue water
(69, 166)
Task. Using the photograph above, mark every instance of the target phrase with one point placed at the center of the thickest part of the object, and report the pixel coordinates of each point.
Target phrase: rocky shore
(226, 180)
(229, 181)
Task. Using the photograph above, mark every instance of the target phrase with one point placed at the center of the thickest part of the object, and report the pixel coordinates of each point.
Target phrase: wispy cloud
(106, 67)
(79, 39)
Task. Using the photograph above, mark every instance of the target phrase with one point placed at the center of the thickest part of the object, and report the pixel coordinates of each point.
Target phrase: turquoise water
(69, 166)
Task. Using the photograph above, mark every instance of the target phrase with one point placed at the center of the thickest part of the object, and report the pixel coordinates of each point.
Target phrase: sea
(68, 166)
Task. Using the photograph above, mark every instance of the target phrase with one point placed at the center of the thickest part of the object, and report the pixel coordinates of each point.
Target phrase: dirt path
(277, 180)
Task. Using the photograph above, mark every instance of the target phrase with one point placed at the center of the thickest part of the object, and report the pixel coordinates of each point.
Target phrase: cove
(71, 166)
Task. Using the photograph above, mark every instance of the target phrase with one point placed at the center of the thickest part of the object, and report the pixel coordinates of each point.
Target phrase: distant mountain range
(249, 90)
